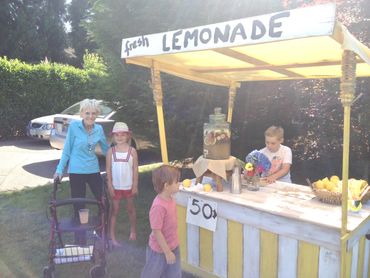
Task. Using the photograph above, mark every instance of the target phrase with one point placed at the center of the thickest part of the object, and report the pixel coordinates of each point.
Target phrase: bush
(29, 91)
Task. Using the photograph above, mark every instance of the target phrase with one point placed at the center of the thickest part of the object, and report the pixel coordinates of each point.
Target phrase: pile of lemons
(331, 184)
(334, 184)
(188, 183)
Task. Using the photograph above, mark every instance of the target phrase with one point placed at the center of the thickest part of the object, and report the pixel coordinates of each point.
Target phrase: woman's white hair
(91, 104)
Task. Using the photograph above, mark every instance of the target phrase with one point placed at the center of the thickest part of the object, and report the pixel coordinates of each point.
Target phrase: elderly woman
(79, 151)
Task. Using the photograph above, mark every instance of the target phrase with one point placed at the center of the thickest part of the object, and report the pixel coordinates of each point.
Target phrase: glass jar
(216, 136)
(253, 182)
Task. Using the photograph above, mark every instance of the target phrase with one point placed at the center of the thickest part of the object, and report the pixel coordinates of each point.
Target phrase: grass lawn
(24, 234)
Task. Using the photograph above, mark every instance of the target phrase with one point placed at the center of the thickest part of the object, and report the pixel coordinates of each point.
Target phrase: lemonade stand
(282, 230)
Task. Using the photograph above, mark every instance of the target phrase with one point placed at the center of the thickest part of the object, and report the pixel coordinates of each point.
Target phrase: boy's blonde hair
(275, 131)
(91, 104)
(164, 174)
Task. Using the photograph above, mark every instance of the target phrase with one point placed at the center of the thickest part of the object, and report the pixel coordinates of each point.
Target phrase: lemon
(209, 139)
(207, 187)
(186, 183)
(319, 184)
(330, 186)
(327, 183)
(334, 179)
(249, 166)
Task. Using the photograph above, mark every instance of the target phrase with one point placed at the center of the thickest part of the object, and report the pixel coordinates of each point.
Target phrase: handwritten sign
(202, 213)
(311, 21)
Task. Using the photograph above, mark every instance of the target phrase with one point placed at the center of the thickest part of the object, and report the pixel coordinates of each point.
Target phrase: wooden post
(158, 98)
(347, 87)
(232, 94)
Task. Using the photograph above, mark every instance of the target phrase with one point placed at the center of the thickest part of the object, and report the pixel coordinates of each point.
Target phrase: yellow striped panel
(368, 268)
(361, 257)
(182, 231)
(268, 254)
(348, 263)
(368, 263)
(206, 249)
(234, 249)
(308, 260)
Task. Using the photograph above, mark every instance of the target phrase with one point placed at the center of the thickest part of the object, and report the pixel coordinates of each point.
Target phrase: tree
(32, 30)
(320, 113)
(79, 13)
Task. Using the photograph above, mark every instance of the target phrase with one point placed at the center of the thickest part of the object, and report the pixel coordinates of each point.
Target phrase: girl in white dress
(122, 178)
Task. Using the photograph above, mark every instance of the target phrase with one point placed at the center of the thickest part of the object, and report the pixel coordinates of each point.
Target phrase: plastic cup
(84, 216)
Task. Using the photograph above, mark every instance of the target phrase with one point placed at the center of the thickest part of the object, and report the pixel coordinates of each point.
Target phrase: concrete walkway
(26, 163)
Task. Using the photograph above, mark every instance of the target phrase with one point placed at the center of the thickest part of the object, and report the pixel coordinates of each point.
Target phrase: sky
(67, 25)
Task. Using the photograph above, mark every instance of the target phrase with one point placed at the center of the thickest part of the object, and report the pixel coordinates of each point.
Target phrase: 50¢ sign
(202, 213)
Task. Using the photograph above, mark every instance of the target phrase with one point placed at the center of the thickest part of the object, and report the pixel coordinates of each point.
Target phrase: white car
(106, 119)
(40, 128)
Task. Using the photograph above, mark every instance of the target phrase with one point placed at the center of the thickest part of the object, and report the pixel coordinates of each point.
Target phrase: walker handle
(56, 182)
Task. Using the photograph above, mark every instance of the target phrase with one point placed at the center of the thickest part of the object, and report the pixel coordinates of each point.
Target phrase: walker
(60, 252)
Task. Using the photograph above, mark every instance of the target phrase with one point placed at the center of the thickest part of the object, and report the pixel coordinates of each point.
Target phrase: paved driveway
(26, 163)
(30, 163)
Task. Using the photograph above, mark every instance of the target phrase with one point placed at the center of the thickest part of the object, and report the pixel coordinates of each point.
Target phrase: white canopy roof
(304, 43)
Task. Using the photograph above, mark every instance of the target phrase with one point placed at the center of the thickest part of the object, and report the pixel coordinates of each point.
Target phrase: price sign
(202, 213)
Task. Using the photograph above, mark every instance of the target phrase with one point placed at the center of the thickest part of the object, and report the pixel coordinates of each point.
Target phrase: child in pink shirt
(163, 254)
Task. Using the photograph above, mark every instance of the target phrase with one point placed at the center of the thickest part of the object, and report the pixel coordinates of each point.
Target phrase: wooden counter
(282, 230)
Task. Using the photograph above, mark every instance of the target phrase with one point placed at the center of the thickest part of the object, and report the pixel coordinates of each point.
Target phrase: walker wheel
(47, 272)
(97, 271)
(368, 236)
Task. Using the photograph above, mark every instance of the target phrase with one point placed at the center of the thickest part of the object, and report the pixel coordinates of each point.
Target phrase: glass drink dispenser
(216, 137)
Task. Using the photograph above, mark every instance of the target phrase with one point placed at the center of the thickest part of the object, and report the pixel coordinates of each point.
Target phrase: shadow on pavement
(47, 168)
(43, 169)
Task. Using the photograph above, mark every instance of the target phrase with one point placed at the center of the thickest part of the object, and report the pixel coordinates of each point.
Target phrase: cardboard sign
(202, 213)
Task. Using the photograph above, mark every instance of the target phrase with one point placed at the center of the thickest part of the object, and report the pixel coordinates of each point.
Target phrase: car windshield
(75, 110)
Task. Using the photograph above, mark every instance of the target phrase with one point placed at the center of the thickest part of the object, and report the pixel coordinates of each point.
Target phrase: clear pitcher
(236, 187)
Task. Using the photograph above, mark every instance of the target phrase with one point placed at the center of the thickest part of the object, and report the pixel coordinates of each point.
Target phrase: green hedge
(29, 91)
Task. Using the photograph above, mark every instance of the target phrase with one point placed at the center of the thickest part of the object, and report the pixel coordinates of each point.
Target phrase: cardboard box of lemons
(186, 183)
(207, 187)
